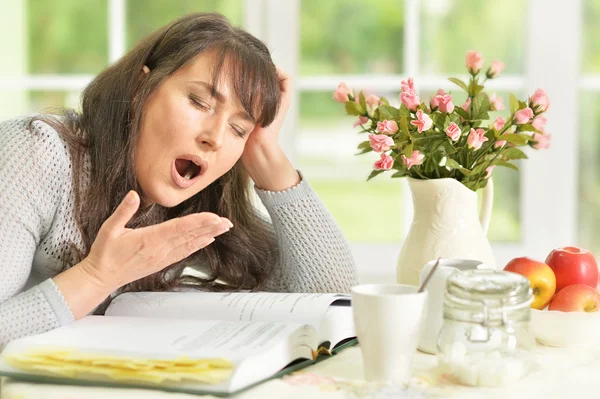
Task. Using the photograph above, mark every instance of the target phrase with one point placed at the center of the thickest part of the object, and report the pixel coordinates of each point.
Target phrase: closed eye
(199, 104)
(240, 132)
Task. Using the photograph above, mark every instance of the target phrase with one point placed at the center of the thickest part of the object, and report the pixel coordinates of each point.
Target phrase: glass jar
(485, 339)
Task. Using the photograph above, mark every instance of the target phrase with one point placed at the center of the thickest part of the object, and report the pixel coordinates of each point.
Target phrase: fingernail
(129, 198)
(230, 224)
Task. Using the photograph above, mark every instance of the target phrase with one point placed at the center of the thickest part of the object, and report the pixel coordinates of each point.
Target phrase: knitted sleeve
(33, 168)
(314, 255)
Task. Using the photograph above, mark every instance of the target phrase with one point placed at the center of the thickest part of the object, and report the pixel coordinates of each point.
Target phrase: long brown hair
(107, 128)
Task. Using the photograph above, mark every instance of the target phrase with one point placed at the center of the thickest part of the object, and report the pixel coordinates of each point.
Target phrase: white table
(559, 373)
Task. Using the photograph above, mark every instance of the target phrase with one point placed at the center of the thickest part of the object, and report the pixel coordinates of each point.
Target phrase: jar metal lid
(485, 296)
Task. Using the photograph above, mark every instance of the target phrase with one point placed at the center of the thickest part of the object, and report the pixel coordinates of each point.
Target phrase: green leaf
(400, 173)
(384, 100)
(353, 108)
(514, 103)
(408, 150)
(462, 113)
(522, 104)
(364, 144)
(459, 83)
(374, 173)
(404, 126)
(448, 147)
(404, 111)
(513, 153)
(481, 106)
(477, 89)
(527, 128)
(517, 139)
(506, 165)
(388, 112)
(453, 164)
(439, 120)
(480, 167)
(361, 99)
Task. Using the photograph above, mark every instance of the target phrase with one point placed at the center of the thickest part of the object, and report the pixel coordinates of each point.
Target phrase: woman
(151, 178)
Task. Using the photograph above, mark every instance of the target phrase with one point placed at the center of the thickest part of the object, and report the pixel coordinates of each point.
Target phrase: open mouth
(187, 169)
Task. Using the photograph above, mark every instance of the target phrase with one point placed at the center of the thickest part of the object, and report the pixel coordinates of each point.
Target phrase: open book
(188, 341)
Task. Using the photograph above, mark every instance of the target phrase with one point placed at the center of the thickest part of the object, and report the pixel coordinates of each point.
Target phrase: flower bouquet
(441, 140)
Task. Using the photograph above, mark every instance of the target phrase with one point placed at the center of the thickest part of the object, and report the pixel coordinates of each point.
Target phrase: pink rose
(474, 61)
(523, 116)
(445, 102)
(495, 69)
(499, 143)
(476, 138)
(539, 123)
(387, 127)
(434, 100)
(423, 121)
(342, 93)
(361, 121)
(496, 103)
(453, 131)
(380, 142)
(408, 86)
(410, 100)
(372, 104)
(489, 171)
(539, 101)
(498, 123)
(416, 158)
(542, 140)
(466, 105)
(385, 162)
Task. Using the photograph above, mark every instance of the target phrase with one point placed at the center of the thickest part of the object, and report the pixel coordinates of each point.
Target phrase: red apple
(573, 265)
(576, 298)
(540, 276)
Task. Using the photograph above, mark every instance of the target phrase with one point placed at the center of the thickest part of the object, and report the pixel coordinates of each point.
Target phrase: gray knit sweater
(37, 221)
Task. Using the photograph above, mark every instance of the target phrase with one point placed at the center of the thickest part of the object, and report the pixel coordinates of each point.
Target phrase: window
(589, 113)
(371, 45)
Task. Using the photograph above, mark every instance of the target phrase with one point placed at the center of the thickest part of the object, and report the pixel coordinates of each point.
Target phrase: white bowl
(566, 329)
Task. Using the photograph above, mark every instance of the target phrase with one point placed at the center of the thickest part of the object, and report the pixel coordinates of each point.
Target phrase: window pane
(366, 211)
(14, 103)
(589, 172)
(591, 32)
(144, 17)
(67, 36)
(450, 28)
(351, 37)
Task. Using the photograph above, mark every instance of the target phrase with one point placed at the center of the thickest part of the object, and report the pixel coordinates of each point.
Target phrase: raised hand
(120, 255)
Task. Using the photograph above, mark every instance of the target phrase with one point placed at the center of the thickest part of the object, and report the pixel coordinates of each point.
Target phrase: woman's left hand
(261, 137)
(263, 157)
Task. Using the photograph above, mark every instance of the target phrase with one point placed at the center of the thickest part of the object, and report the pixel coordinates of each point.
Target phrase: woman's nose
(213, 133)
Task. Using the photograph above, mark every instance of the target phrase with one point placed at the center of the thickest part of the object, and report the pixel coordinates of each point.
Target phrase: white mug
(388, 320)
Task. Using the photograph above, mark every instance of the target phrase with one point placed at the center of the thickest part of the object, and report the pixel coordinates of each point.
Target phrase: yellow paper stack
(70, 363)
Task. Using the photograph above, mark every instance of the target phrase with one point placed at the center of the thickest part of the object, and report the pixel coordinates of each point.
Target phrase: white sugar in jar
(485, 339)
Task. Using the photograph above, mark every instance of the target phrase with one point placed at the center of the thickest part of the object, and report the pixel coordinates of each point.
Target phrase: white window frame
(552, 61)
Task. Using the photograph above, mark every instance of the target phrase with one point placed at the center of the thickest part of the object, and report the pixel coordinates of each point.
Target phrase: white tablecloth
(558, 373)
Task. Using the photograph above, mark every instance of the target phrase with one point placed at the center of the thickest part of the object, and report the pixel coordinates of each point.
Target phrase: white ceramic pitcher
(436, 288)
(446, 223)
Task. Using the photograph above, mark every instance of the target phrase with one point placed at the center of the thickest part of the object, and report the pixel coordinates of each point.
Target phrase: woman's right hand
(120, 255)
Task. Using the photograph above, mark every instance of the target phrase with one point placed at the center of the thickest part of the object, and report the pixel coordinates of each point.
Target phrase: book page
(299, 308)
(263, 346)
(162, 338)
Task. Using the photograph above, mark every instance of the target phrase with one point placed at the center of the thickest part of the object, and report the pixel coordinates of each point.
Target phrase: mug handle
(487, 203)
